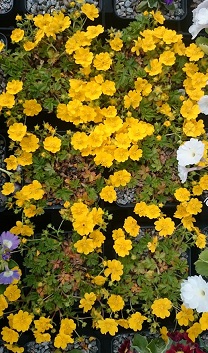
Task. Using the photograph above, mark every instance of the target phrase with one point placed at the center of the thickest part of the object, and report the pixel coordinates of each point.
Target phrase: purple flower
(169, 2)
(6, 256)
(9, 240)
(8, 276)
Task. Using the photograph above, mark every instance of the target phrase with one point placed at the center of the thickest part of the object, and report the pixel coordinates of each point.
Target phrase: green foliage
(142, 345)
(201, 264)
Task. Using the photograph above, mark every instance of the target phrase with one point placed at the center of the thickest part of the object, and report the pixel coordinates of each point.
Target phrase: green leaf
(201, 268)
(157, 346)
(76, 351)
(204, 256)
(152, 3)
(140, 344)
(202, 42)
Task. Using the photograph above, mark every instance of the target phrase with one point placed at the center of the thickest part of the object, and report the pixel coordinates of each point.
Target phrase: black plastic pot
(7, 13)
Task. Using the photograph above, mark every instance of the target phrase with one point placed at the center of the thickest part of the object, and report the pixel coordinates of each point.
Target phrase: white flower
(190, 152)
(183, 173)
(200, 19)
(194, 293)
(203, 104)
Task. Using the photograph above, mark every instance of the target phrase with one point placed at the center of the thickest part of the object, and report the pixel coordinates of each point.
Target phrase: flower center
(7, 243)
(202, 293)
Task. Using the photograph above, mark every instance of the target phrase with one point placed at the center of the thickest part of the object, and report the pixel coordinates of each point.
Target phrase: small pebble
(128, 9)
(48, 6)
(5, 6)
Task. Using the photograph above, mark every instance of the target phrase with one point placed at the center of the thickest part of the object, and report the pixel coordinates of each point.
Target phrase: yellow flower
(90, 11)
(29, 143)
(28, 45)
(21, 321)
(194, 52)
(43, 324)
(17, 35)
(152, 245)
(115, 269)
(25, 158)
(189, 110)
(123, 323)
(116, 43)
(131, 226)
(87, 302)
(122, 246)
(97, 238)
(108, 194)
(9, 335)
(115, 302)
(41, 337)
(3, 304)
(141, 209)
(152, 211)
(120, 178)
(67, 326)
(136, 320)
(99, 280)
(2, 45)
(194, 331)
(193, 206)
(78, 209)
(17, 131)
(84, 246)
(30, 211)
(203, 182)
(7, 100)
(158, 17)
(8, 188)
(102, 61)
(31, 107)
(155, 67)
(11, 162)
(185, 316)
(108, 326)
(165, 226)
(161, 307)
(167, 58)
(204, 321)
(164, 333)
(14, 86)
(22, 229)
(52, 144)
(62, 340)
(182, 194)
(84, 225)
(83, 57)
(12, 292)
(15, 349)
(200, 241)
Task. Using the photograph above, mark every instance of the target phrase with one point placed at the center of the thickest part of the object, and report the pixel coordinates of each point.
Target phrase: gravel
(48, 6)
(125, 196)
(88, 345)
(5, 6)
(128, 9)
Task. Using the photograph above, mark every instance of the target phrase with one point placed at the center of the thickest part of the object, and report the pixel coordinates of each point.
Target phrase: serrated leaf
(204, 256)
(201, 268)
(140, 344)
